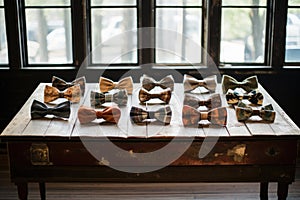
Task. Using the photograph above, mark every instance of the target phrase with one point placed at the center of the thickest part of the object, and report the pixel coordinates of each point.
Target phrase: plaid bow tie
(39, 110)
(107, 84)
(71, 93)
(248, 84)
(62, 85)
(163, 115)
(266, 113)
(191, 116)
(214, 101)
(164, 95)
(109, 114)
(120, 97)
(190, 83)
(255, 97)
(149, 83)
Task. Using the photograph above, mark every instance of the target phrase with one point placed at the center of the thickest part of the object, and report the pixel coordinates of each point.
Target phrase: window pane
(294, 2)
(179, 3)
(113, 2)
(3, 41)
(244, 3)
(1, 3)
(47, 3)
(292, 53)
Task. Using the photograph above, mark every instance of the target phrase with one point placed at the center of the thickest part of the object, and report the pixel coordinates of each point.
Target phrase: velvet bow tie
(109, 114)
(191, 116)
(39, 110)
(107, 84)
(71, 93)
(164, 95)
(162, 115)
(120, 97)
(149, 83)
(62, 85)
(244, 112)
(190, 83)
(255, 97)
(248, 84)
(214, 101)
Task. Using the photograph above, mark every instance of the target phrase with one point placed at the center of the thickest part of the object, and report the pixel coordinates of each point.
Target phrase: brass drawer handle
(238, 152)
(39, 154)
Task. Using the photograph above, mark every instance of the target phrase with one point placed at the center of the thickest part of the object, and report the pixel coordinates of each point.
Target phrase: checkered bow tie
(190, 83)
(109, 114)
(249, 84)
(191, 116)
(62, 84)
(72, 94)
(214, 101)
(149, 83)
(97, 98)
(139, 115)
(106, 84)
(255, 97)
(164, 95)
(39, 110)
(244, 112)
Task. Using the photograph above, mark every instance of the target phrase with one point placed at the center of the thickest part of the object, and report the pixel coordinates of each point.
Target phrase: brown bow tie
(72, 94)
(109, 114)
(190, 83)
(149, 83)
(214, 101)
(165, 95)
(62, 84)
(162, 115)
(107, 84)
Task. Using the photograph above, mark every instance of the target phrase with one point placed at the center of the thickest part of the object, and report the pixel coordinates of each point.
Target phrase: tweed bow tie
(62, 85)
(191, 116)
(214, 101)
(71, 93)
(162, 115)
(107, 84)
(149, 83)
(109, 114)
(164, 95)
(39, 110)
(266, 113)
(248, 84)
(190, 83)
(120, 97)
(255, 97)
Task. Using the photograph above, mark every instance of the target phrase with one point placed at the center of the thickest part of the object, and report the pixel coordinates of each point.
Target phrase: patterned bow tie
(149, 83)
(266, 113)
(162, 115)
(191, 116)
(71, 93)
(62, 85)
(214, 101)
(255, 97)
(248, 84)
(107, 84)
(164, 95)
(109, 114)
(190, 83)
(120, 97)
(39, 110)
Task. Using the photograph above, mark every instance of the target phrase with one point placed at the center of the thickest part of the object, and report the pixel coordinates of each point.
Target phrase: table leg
(42, 191)
(22, 190)
(282, 190)
(264, 190)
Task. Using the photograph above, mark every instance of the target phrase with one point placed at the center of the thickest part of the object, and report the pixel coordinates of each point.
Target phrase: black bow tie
(62, 84)
(39, 110)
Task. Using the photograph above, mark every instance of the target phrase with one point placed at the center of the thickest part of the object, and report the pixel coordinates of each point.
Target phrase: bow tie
(243, 112)
(107, 84)
(248, 84)
(163, 115)
(39, 110)
(109, 114)
(214, 101)
(71, 93)
(191, 116)
(62, 85)
(190, 83)
(149, 83)
(254, 97)
(164, 95)
(120, 97)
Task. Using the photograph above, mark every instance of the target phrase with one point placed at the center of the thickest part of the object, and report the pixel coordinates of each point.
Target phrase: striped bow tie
(62, 85)
(191, 116)
(190, 83)
(39, 110)
(162, 115)
(109, 114)
(244, 112)
(72, 94)
(248, 84)
(255, 97)
(149, 83)
(214, 101)
(164, 95)
(107, 84)
(120, 98)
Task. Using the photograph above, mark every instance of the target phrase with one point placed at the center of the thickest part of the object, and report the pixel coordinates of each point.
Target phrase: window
(3, 40)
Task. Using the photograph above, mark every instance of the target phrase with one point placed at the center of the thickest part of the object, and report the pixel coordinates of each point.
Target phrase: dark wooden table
(55, 150)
